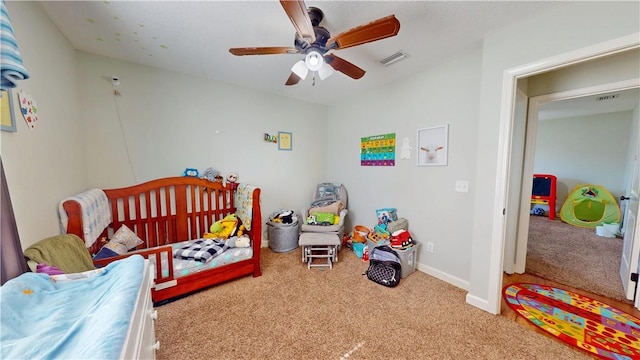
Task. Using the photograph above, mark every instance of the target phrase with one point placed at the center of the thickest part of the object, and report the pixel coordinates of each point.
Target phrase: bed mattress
(182, 267)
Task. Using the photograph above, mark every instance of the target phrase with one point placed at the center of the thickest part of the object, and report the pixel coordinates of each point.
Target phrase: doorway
(503, 203)
(561, 141)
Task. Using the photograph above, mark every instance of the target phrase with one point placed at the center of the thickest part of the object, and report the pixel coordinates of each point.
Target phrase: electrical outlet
(462, 186)
(429, 246)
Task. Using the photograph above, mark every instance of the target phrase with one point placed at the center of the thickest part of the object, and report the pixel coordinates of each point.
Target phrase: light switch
(462, 186)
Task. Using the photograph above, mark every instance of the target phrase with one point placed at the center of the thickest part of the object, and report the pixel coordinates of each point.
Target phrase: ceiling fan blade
(373, 31)
(292, 80)
(345, 67)
(262, 51)
(299, 16)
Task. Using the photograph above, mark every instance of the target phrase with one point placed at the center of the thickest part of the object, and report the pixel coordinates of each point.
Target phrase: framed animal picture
(433, 146)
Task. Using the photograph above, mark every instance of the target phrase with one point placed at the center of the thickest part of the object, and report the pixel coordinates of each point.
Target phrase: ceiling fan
(316, 43)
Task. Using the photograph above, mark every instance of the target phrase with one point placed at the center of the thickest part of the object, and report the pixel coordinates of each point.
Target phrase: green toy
(590, 206)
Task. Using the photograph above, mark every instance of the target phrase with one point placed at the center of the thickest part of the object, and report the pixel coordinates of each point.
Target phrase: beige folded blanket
(333, 208)
(66, 252)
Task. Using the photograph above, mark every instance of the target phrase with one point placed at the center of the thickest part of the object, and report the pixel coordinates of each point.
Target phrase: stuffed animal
(210, 174)
(224, 228)
(284, 217)
(191, 172)
(241, 230)
(238, 241)
(232, 181)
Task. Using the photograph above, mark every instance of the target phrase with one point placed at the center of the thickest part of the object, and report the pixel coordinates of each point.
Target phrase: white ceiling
(194, 37)
(604, 103)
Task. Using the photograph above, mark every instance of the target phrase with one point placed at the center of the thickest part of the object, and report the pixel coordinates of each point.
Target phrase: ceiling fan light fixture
(325, 71)
(314, 60)
(300, 69)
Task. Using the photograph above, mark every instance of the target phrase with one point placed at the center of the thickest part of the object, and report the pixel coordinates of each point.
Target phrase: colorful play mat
(580, 321)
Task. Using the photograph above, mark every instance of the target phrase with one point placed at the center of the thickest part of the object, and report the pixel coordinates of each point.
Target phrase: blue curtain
(11, 67)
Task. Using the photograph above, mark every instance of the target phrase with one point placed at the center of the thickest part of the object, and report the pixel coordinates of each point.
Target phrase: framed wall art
(285, 140)
(433, 146)
(7, 119)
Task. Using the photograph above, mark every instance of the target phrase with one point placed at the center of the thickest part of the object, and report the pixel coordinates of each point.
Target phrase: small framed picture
(285, 140)
(433, 146)
(7, 119)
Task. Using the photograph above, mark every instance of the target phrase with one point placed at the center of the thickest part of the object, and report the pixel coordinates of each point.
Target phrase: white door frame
(518, 144)
(529, 154)
(509, 81)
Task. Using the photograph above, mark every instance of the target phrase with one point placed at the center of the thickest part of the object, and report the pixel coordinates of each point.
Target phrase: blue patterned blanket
(77, 316)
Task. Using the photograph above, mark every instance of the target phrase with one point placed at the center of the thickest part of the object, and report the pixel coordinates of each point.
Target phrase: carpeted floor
(574, 256)
(291, 312)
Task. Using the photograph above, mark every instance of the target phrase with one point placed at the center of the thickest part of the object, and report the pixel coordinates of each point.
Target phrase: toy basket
(360, 233)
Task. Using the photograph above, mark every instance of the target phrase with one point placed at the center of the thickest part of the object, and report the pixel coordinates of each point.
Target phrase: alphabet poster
(378, 150)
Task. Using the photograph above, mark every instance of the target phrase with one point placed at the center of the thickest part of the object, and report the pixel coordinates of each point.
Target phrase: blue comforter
(83, 318)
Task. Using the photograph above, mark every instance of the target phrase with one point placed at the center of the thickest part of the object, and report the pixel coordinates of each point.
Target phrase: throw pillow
(116, 247)
(126, 237)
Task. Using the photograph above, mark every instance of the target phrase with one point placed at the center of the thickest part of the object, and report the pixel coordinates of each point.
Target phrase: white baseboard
(457, 282)
(480, 303)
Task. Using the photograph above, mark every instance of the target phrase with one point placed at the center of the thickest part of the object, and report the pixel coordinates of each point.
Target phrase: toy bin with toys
(408, 259)
(283, 231)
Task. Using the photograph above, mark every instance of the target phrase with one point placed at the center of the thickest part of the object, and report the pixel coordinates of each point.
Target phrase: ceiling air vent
(393, 58)
(607, 97)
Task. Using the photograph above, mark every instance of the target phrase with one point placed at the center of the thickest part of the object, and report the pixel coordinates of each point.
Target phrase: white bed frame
(140, 342)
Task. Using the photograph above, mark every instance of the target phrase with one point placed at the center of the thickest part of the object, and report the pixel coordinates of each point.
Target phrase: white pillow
(126, 237)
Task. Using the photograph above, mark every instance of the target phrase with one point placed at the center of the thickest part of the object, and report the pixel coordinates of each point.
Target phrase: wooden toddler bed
(167, 211)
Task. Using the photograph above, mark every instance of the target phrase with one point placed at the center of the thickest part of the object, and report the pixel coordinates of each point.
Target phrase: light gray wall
(162, 123)
(47, 163)
(584, 150)
(574, 26)
(424, 195)
(607, 69)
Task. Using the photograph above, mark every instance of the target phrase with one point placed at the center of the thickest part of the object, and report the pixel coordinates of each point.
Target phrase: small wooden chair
(544, 192)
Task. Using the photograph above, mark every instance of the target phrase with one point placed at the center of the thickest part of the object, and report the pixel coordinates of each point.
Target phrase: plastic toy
(323, 218)
(544, 192)
(401, 239)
